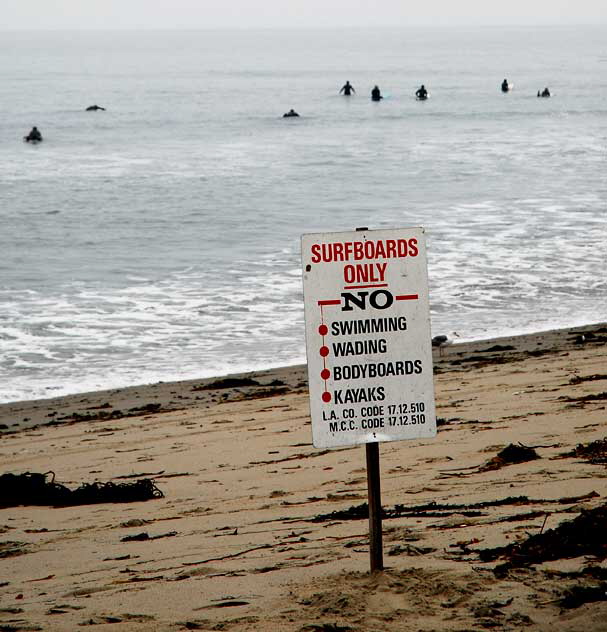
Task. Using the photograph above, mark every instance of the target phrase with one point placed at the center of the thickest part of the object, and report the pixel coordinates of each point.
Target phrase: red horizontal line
(407, 297)
(332, 302)
(359, 287)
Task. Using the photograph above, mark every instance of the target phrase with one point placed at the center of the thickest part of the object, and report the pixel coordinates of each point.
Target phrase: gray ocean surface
(159, 240)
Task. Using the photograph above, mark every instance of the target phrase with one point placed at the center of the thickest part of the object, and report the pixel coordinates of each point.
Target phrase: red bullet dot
(323, 330)
(324, 351)
(326, 397)
(325, 374)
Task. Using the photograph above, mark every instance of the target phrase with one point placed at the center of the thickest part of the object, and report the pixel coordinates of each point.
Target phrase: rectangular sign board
(368, 336)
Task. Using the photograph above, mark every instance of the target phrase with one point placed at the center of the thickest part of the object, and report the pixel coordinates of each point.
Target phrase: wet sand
(244, 538)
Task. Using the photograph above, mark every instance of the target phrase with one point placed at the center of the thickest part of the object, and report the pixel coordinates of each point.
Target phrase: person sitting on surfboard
(376, 94)
(347, 89)
(422, 93)
(505, 85)
(34, 135)
(290, 113)
(544, 93)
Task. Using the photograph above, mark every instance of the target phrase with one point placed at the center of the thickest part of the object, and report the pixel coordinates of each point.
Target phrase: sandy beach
(245, 536)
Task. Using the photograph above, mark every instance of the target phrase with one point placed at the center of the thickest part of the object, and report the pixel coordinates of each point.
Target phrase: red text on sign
(359, 250)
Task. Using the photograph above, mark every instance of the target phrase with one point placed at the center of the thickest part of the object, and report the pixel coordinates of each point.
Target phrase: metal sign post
(368, 346)
(376, 532)
(376, 552)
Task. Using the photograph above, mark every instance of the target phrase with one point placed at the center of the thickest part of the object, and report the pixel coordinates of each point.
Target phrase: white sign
(368, 336)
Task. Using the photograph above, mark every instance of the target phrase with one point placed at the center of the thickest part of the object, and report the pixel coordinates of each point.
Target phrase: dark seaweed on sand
(594, 452)
(579, 379)
(593, 397)
(585, 535)
(32, 488)
(577, 596)
(432, 509)
(109, 415)
(509, 455)
(228, 382)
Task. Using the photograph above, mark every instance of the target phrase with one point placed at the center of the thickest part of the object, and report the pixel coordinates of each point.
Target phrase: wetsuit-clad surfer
(422, 93)
(505, 85)
(290, 113)
(34, 135)
(347, 89)
(376, 94)
(94, 108)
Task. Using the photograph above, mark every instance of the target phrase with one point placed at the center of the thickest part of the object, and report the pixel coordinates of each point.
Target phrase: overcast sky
(87, 14)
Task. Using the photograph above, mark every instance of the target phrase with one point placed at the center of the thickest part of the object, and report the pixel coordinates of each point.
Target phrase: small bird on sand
(442, 341)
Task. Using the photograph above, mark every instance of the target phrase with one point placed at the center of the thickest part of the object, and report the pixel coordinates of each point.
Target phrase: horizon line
(352, 27)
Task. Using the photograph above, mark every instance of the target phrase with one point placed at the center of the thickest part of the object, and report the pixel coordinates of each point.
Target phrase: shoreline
(59, 390)
(162, 396)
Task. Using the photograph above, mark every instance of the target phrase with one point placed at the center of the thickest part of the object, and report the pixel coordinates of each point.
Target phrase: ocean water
(159, 240)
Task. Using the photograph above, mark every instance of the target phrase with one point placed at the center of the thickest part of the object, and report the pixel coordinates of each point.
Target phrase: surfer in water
(422, 93)
(291, 113)
(544, 93)
(505, 85)
(376, 94)
(34, 135)
(347, 89)
(94, 108)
